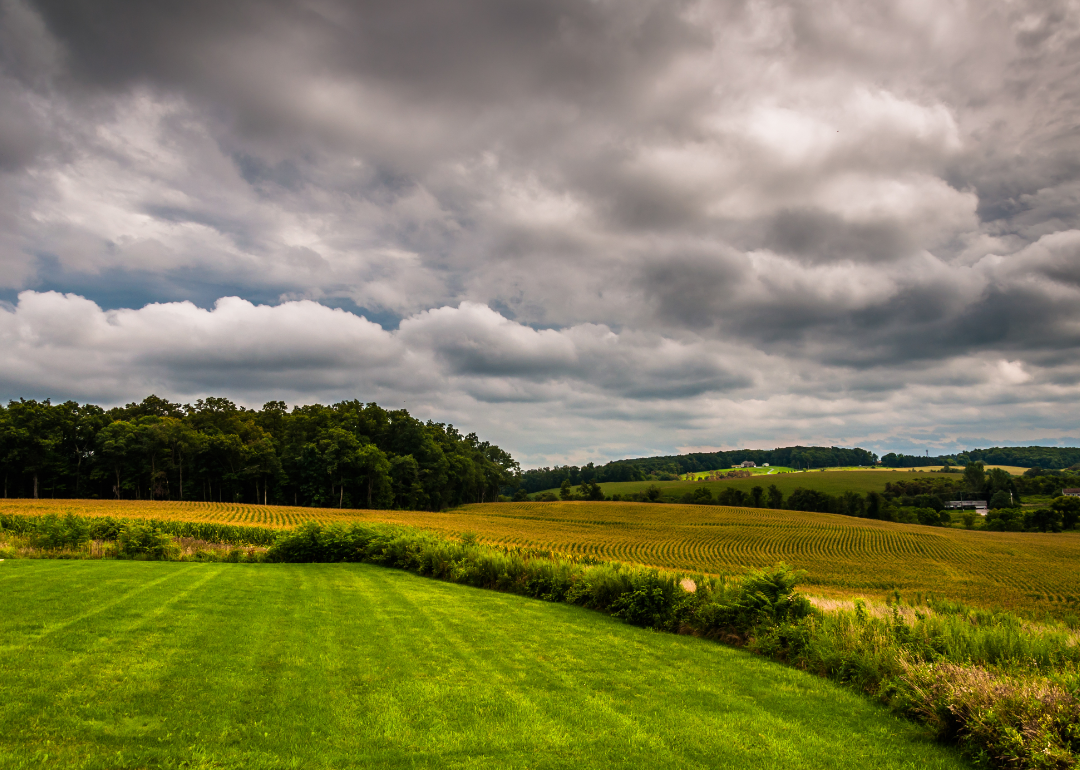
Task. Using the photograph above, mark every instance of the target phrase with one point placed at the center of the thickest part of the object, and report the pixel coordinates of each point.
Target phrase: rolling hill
(843, 555)
(152, 664)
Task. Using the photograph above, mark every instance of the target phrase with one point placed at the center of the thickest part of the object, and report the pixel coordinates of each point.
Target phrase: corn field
(843, 555)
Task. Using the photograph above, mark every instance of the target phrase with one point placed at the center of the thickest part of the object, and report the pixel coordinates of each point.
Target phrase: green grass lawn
(151, 664)
(831, 482)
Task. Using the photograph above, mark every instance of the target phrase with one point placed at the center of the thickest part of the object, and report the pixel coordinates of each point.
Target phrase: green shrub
(928, 517)
(71, 531)
(140, 541)
(1005, 520)
(55, 533)
(643, 607)
(768, 596)
(653, 600)
(1043, 520)
(1001, 499)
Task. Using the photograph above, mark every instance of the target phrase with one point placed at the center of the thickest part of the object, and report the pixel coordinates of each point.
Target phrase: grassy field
(830, 482)
(151, 664)
(762, 471)
(843, 556)
(833, 481)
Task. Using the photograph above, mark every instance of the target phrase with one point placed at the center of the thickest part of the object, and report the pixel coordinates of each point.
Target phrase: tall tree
(81, 424)
(339, 451)
(974, 477)
(181, 441)
(346, 454)
(118, 444)
(34, 438)
(374, 466)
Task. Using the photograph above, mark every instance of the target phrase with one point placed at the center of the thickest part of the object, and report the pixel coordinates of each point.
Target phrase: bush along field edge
(78, 537)
(1006, 692)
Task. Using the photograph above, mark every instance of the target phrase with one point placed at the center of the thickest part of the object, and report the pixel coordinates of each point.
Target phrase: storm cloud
(584, 229)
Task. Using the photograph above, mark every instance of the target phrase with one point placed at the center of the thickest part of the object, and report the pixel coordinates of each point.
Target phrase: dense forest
(346, 455)
(669, 467)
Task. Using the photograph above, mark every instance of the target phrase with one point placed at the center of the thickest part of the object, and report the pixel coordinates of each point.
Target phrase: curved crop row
(1014, 570)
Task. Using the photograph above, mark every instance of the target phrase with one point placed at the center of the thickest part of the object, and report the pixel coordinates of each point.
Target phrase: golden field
(842, 555)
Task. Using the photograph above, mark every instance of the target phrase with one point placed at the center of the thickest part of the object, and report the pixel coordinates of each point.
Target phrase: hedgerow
(55, 531)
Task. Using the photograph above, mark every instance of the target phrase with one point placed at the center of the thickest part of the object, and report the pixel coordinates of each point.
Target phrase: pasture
(830, 482)
(761, 471)
(844, 556)
(153, 664)
(833, 481)
(1012, 470)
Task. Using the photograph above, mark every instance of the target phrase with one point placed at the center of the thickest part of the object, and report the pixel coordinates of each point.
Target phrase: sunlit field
(829, 480)
(151, 664)
(833, 482)
(843, 556)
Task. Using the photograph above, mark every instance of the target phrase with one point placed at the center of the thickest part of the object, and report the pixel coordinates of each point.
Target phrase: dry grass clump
(909, 614)
(1005, 720)
(194, 548)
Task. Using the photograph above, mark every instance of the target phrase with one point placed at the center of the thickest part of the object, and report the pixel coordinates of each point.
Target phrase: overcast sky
(585, 229)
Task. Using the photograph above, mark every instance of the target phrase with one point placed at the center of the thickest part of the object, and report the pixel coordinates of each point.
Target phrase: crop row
(841, 554)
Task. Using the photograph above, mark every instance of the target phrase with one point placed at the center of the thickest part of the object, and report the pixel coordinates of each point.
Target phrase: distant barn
(979, 506)
(1071, 492)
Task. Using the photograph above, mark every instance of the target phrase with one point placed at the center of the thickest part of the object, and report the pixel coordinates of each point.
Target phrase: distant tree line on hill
(1037, 481)
(348, 455)
(918, 500)
(671, 467)
(1022, 456)
(922, 500)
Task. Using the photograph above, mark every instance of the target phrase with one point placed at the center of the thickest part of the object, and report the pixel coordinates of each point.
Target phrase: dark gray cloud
(665, 224)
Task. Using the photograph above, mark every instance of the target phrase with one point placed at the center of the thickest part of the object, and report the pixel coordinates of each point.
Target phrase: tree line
(351, 455)
(1022, 456)
(920, 500)
(671, 467)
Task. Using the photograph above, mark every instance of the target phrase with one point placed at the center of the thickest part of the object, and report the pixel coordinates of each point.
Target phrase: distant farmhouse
(1071, 492)
(747, 464)
(979, 506)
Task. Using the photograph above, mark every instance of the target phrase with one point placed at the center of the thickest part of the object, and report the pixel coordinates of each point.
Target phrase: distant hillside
(640, 468)
(1024, 456)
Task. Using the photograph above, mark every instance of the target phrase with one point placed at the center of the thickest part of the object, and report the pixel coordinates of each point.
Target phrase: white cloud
(643, 224)
(533, 388)
(65, 343)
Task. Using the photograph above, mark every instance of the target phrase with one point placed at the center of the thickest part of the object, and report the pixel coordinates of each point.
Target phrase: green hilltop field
(833, 482)
(210, 665)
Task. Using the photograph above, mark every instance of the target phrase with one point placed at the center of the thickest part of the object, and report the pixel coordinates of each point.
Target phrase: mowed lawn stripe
(319, 666)
(509, 695)
(102, 602)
